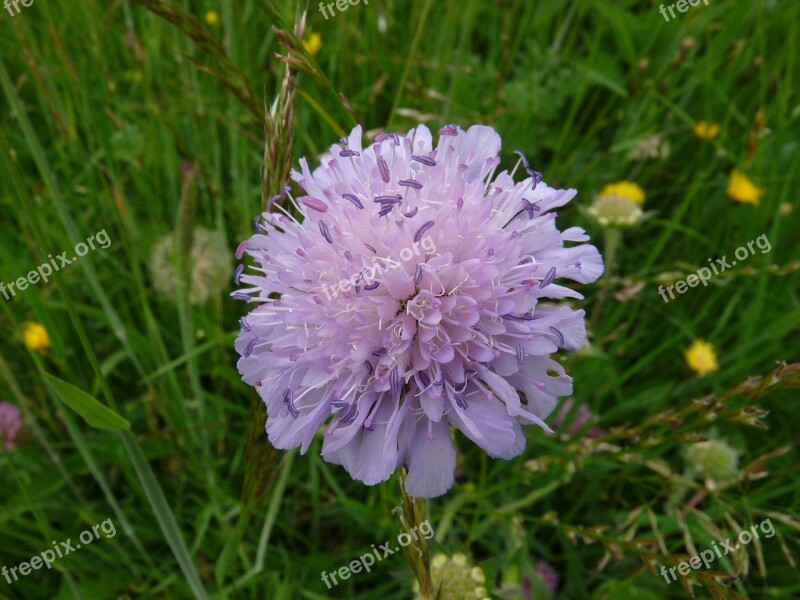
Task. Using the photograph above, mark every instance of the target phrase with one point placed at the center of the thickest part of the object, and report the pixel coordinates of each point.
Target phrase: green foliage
(112, 111)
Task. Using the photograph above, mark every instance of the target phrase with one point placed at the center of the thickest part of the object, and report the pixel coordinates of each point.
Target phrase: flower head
(35, 337)
(212, 18)
(611, 210)
(653, 146)
(411, 297)
(624, 189)
(706, 131)
(210, 263)
(582, 418)
(10, 426)
(457, 579)
(701, 358)
(713, 459)
(741, 189)
(548, 574)
(313, 44)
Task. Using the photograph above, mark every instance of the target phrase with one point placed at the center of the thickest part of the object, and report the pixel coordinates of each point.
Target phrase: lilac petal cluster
(10, 426)
(460, 334)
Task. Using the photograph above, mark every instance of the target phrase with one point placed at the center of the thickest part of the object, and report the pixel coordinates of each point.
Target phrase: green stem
(416, 553)
(611, 241)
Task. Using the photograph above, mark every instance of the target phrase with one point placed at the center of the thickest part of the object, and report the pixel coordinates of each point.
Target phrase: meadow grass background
(103, 102)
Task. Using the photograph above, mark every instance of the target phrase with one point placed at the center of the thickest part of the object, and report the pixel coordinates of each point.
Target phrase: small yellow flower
(313, 43)
(212, 18)
(35, 336)
(624, 189)
(701, 358)
(706, 131)
(741, 189)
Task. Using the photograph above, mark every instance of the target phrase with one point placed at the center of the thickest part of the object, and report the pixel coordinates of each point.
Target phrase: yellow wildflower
(624, 189)
(741, 189)
(313, 44)
(706, 131)
(35, 336)
(701, 358)
(212, 18)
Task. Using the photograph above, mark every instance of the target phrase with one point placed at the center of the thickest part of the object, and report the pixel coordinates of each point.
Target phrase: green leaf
(93, 412)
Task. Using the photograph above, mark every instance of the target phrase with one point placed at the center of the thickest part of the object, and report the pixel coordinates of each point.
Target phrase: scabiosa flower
(612, 210)
(653, 146)
(714, 459)
(210, 263)
(583, 417)
(456, 578)
(458, 332)
(10, 426)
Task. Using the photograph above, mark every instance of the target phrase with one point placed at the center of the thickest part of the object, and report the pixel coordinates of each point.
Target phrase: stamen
(287, 400)
(418, 274)
(448, 130)
(549, 278)
(384, 169)
(385, 210)
(531, 206)
(379, 352)
(314, 203)
(249, 349)
(372, 286)
(412, 213)
(520, 355)
(350, 414)
(559, 334)
(422, 230)
(371, 248)
(423, 377)
(240, 250)
(242, 296)
(323, 228)
(354, 200)
(424, 160)
(238, 274)
(244, 325)
(369, 366)
(412, 183)
(461, 401)
(389, 198)
(346, 153)
(394, 381)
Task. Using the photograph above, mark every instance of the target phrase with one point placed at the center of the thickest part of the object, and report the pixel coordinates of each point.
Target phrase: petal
(431, 462)
(488, 424)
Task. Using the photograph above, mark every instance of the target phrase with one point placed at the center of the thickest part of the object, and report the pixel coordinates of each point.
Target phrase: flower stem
(611, 243)
(416, 552)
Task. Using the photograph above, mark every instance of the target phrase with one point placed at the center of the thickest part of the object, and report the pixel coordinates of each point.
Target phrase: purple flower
(10, 426)
(548, 574)
(457, 333)
(582, 418)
